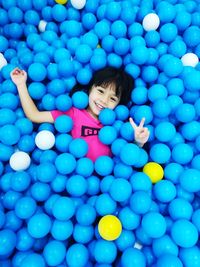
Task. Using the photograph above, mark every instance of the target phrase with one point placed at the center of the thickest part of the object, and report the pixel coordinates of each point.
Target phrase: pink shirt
(87, 128)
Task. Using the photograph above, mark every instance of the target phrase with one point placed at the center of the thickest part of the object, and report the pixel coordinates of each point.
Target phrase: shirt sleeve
(56, 113)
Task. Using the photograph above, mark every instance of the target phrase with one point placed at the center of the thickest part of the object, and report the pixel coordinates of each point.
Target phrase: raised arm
(19, 78)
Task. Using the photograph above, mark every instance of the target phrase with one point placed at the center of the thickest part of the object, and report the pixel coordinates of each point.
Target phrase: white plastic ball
(151, 22)
(20, 161)
(78, 4)
(3, 61)
(45, 140)
(190, 59)
(42, 25)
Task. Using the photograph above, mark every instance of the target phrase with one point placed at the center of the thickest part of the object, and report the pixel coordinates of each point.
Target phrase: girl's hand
(18, 76)
(141, 133)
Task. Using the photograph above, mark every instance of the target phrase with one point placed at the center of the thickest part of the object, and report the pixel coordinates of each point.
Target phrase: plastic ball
(20, 161)
(9, 134)
(105, 251)
(63, 208)
(78, 4)
(63, 124)
(109, 227)
(151, 22)
(107, 135)
(80, 100)
(164, 245)
(154, 171)
(184, 233)
(154, 224)
(168, 32)
(77, 255)
(133, 257)
(107, 116)
(105, 204)
(190, 59)
(33, 259)
(84, 167)
(3, 61)
(165, 191)
(182, 153)
(62, 2)
(104, 165)
(85, 214)
(190, 180)
(160, 153)
(167, 260)
(78, 147)
(39, 225)
(129, 154)
(54, 252)
(76, 185)
(190, 256)
(140, 202)
(191, 36)
(120, 190)
(140, 181)
(37, 72)
(45, 140)
(7, 241)
(61, 230)
(25, 207)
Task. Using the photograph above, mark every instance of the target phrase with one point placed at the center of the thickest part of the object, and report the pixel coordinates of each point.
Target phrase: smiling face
(102, 97)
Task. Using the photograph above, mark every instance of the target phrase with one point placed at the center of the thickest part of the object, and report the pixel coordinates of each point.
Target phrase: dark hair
(123, 81)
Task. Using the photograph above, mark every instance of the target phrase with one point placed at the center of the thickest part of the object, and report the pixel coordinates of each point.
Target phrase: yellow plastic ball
(62, 2)
(109, 227)
(154, 171)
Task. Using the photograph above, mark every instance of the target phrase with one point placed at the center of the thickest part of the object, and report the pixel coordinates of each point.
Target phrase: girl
(107, 88)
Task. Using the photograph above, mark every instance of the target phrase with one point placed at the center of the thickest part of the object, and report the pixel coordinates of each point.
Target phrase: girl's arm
(19, 78)
(141, 133)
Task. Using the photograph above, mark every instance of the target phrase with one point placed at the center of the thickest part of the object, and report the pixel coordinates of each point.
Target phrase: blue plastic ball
(117, 145)
(105, 251)
(39, 225)
(140, 182)
(154, 224)
(139, 95)
(7, 241)
(160, 153)
(20, 181)
(84, 76)
(164, 245)
(140, 202)
(184, 233)
(143, 111)
(132, 257)
(173, 67)
(161, 108)
(107, 116)
(129, 154)
(129, 219)
(105, 204)
(80, 100)
(77, 255)
(104, 165)
(140, 55)
(62, 142)
(59, 13)
(62, 230)
(191, 36)
(182, 153)
(85, 214)
(78, 147)
(76, 185)
(9, 134)
(164, 191)
(84, 167)
(25, 207)
(63, 124)
(172, 172)
(166, 260)
(102, 28)
(185, 112)
(37, 72)
(54, 252)
(180, 208)
(190, 180)
(190, 256)
(120, 190)
(107, 135)
(63, 208)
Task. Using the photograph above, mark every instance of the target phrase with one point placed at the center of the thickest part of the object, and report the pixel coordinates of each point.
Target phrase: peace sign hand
(141, 133)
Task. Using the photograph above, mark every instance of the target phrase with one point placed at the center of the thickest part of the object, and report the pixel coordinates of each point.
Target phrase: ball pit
(138, 207)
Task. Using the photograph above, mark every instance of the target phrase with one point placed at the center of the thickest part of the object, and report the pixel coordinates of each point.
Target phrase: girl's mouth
(100, 107)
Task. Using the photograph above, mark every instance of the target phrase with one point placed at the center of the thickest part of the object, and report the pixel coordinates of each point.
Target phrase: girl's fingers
(142, 123)
(133, 124)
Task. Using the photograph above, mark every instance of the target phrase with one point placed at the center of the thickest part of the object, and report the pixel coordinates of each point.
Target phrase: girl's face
(100, 98)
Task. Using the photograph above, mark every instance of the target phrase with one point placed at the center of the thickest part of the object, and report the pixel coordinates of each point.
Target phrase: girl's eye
(114, 99)
(100, 91)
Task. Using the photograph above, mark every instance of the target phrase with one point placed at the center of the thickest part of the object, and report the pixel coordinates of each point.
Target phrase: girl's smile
(100, 98)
